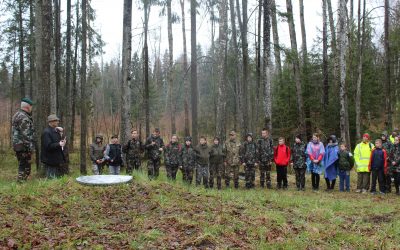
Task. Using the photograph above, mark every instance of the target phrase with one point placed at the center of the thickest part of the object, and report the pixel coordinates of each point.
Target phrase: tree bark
(21, 50)
(193, 69)
(57, 53)
(325, 71)
(43, 60)
(222, 67)
(31, 48)
(389, 121)
(266, 65)
(170, 68)
(342, 42)
(126, 72)
(146, 68)
(360, 37)
(185, 70)
(83, 90)
(68, 102)
(245, 56)
(303, 34)
(277, 53)
(296, 67)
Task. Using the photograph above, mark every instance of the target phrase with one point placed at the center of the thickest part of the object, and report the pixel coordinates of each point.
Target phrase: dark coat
(51, 153)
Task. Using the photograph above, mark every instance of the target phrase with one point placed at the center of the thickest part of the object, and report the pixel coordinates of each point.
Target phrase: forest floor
(159, 214)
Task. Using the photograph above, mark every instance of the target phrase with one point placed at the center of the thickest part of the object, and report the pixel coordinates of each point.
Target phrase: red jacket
(385, 165)
(281, 155)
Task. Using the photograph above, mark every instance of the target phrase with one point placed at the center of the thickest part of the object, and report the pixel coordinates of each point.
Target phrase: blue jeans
(344, 178)
(114, 170)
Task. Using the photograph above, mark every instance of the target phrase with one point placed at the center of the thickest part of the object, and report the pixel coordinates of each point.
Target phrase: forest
(246, 78)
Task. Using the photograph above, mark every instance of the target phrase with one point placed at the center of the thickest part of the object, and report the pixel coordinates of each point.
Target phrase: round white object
(104, 180)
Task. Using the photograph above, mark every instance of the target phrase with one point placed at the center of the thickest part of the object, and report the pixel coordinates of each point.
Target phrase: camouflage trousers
(250, 175)
(153, 168)
(265, 174)
(171, 171)
(202, 174)
(98, 168)
(187, 174)
(300, 178)
(216, 172)
(232, 171)
(24, 165)
(132, 164)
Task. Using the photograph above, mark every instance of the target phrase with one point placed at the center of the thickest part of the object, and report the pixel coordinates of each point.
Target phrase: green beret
(27, 100)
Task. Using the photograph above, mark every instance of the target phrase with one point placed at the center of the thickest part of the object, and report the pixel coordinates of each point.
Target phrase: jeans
(344, 180)
(114, 170)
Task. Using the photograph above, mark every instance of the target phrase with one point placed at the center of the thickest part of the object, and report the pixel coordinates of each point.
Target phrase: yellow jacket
(362, 154)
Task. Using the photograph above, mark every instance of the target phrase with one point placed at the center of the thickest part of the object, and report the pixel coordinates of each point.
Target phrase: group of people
(378, 162)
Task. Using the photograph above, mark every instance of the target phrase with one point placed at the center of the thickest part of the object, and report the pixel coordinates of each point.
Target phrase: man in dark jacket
(265, 151)
(154, 146)
(96, 152)
(52, 155)
(113, 155)
(188, 158)
(248, 158)
(203, 161)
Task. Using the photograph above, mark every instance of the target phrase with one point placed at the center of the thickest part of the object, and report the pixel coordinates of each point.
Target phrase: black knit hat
(188, 138)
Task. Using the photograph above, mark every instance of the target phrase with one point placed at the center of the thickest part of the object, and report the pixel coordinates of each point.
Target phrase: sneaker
(373, 192)
(364, 191)
(358, 191)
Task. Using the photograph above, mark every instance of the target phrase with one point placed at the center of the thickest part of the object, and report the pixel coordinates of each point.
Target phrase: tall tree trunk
(342, 42)
(360, 37)
(185, 70)
(126, 71)
(245, 55)
(74, 81)
(146, 68)
(31, 48)
(21, 50)
(57, 52)
(43, 60)
(170, 67)
(222, 68)
(237, 86)
(266, 65)
(258, 66)
(325, 71)
(83, 89)
(193, 69)
(389, 121)
(333, 43)
(67, 99)
(277, 53)
(296, 67)
(303, 34)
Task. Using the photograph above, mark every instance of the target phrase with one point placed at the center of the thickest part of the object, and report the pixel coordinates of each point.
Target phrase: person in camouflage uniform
(23, 138)
(232, 160)
(388, 146)
(217, 156)
(154, 146)
(203, 160)
(298, 162)
(172, 157)
(395, 163)
(248, 158)
(96, 152)
(133, 150)
(265, 150)
(188, 157)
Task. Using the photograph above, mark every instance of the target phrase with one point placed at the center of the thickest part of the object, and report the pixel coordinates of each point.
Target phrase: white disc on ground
(103, 180)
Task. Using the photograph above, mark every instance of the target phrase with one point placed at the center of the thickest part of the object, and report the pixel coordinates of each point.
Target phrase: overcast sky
(109, 23)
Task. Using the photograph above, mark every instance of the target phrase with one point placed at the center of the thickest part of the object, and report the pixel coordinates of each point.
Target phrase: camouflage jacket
(153, 151)
(388, 146)
(248, 153)
(172, 154)
(203, 154)
(265, 150)
(188, 156)
(395, 157)
(96, 151)
(232, 152)
(133, 149)
(217, 154)
(298, 155)
(23, 132)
